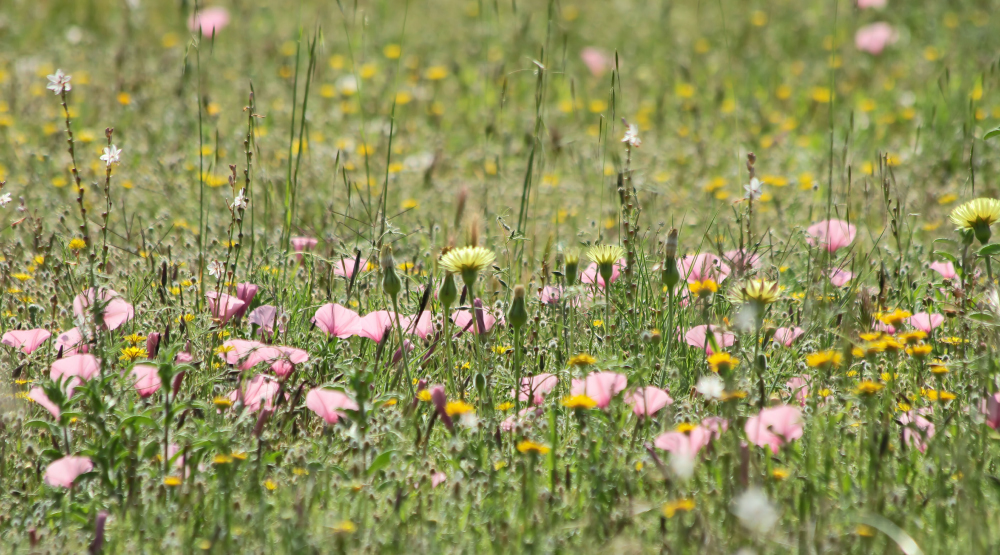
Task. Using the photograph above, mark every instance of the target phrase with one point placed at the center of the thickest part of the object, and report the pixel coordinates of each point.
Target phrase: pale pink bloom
(286, 362)
(345, 268)
(593, 275)
(703, 266)
(874, 38)
(916, 429)
(600, 386)
(152, 344)
(329, 404)
(715, 425)
(438, 478)
(698, 337)
(885, 328)
(337, 320)
(69, 341)
(183, 357)
(464, 322)
(37, 394)
(926, 322)
(244, 292)
(65, 470)
(550, 294)
(787, 336)
(686, 444)
(258, 393)
(234, 350)
(303, 244)
(774, 426)
(800, 388)
(81, 366)
(597, 61)
(116, 311)
(864, 4)
(146, 379)
(375, 325)
(421, 326)
(831, 234)
(209, 20)
(647, 401)
(741, 259)
(840, 277)
(26, 340)
(990, 407)
(946, 269)
(265, 316)
(535, 388)
(229, 304)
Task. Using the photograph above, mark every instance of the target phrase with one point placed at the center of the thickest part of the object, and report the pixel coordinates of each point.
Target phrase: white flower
(240, 202)
(755, 511)
(632, 136)
(710, 386)
(216, 269)
(5, 199)
(754, 189)
(59, 82)
(682, 465)
(111, 155)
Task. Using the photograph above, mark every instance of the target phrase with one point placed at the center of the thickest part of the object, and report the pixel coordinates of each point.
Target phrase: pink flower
(464, 322)
(596, 60)
(440, 400)
(592, 275)
(698, 337)
(81, 366)
(524, 418)
(329, 404)
(68, 341)
(375, 325)
(701, 267)
(258, 393)
(926, 322)
(774, 426)
(600, 386)
(65, 470)
(303, 244)
(145, 379)
(686, 444)
(230, 305)
(991, 408)
(345, 268)
(37, 394)
(421, 326)
(535, 388)
(874, 38)
(116, 310)
(787, 336)
(266, 317)
(716, 425)
(647, 401)
(832, 234)
(839, 277)
(885, 328)
(916, 429)
(800, 388)
(550, 295)
(438, 478)
(864, 4)
(245, 292)
(337, 320)
(26, 340)
(233, 350)
(209, 20)
(946, 269)
(741, 259)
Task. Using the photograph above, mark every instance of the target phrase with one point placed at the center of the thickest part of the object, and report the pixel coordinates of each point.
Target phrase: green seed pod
(391, 284)
(448, 293)
(517, 315)
(572, 269)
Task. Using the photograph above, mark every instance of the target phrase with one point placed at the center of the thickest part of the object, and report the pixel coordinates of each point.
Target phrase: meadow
(387, 276)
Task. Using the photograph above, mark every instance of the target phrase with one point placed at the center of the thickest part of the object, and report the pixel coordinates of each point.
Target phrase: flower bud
(390, 281)
(517, 316)
(448, 293)
(572, 269)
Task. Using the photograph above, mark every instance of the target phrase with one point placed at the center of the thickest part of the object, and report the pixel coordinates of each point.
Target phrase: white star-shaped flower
(240, 202)
(111, 155)
(59, 82)
(216, 269)
(632, 136)
(754, 189)
(5, 199)
(710, 387)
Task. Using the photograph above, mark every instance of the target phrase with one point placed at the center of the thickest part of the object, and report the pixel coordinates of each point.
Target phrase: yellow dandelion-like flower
(424, 395)
(912, 337)
(581, 402)
(582, 359)
(135, 338)
(919, 351)
(864, 530)
(824, 359)
(938, 367)
(467, 261)
(172, 481)
(77, 244)
(529, 447)
(685, 427)
(458, 408)
(703, 288)
(505, 406)
(868, 387)
(780, 474)
(870, 336)
(344, 527)
(132, 353)
(759, 291)
(894, 318)
(977, 215)
(605, 255)
(271, 485)
(722, 362)
(890, 344)
(953, 340)
(222, 459)
(733, 395)
(299, 471)
(681, 505)
(222, 402)
(935, 395)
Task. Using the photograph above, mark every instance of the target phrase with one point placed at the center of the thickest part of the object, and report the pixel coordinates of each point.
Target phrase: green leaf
(991, 133)
(990, 250)
(983, 318)
(140, 419)
(380, 462)
(947, 256)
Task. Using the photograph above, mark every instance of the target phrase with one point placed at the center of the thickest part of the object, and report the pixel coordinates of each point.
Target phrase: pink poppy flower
(265, 317)
(69, 341)
(329, 404)
(600, 386)
(421, 326)
(839, 277)
(535, 388)
(774, 426)
(946, 269)
(741, 259)
(153, 344)
(874, 38)
(222, 306)
(26, 340)
(245, 292)
(64, 471)
(832, 234)
(787, 336)
(597, 61)
(990, 407)
(800, 388)
(337, 320)
(375, 325)
(592, 275)
(209, 20)
(146, 379)
(464, 322)
(258, 393)
(550, 295)
(698, 337)
(37, 394)
(703, 266)
(116, 312)
(865, 4)
(926, 322)
(234, 350)
(438, 478)
(916, 429)
(285, 363)
(647, 401)
(84, 367)
(345, 268)
(303, 244)
(686, 444)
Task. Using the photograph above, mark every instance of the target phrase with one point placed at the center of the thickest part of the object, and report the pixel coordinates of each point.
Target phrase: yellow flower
(864, 530)
(436, 73)
(299, 471)
(424, 395)
(582, 359)
(222, 402)
(938, 367)
(868, 387)
(579, 402)
(780, 474)
(759, 291)
(135, 338)
(529, 447)
(501, 349)
(684, 427)
(467, 261)
(733, 395)
(919, 351)
(344, 527)
(222, 459)
(890, 344)
(934, 395)
(172, 481)
(894, 318)
(870, 336)
(132, 353)
(722, 362)
(21, 276)
(240, 456)
(458, 408)
(598, 323)
(605, 256)
(977, 215)
(703, 288)
(271, 485)
(953, 340)
(671, 508)
(913, 337)
(824, 359)
(505, 406)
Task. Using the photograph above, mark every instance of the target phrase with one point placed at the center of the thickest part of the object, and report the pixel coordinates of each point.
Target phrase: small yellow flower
(582, 359)
(458, 408)
(864, 530)
(135, 338)
(868, 387)
(977, 215)
(241, 456)
(505, 406)
(953, 340)
(424, 395)
(581, 402)
(172, 481)
(467, 261)
(681, 505)
(870, 336)
(222, 402)
(501, 349)
(919, 351)
(934, 395)
(733, 395)
(21, 276)
(529, 447)
(939, 368)
(703, 288)
(132, 353)
(223, 349)
(913, 337)
(222, 459)
(758, 291)
(271, 485)
(722, 362)
(780, 474)
(344, 527)
(299, 471)
(894, 318)
(605, 255)
(824, 359)
(598, 323)
(685, 427)
(890, 344)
